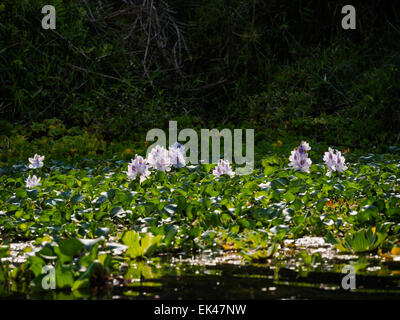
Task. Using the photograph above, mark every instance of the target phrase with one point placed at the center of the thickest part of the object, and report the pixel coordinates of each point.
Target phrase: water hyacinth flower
(36, 162)
(159, 159)
(303, 148)
(32, 182)
(179, 146)
(330, 161)
(138, 166)
(299, 158)
(223, 167)
(334, 161)
(340, 162)
(177, 155)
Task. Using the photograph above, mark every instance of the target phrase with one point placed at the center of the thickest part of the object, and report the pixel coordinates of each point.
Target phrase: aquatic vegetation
(140, 246)
(159, 159)
(32, 182)
(363, 240)
(36, 162)
(334, 161)
(223, 167)
(138, 166)
(89, 220)
(176, 154)
(299, 158)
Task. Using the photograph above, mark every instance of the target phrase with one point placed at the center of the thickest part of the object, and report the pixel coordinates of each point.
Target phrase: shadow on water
(235, 282)
(226, 275)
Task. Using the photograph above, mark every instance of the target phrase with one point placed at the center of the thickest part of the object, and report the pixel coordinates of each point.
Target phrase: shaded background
(112, 70)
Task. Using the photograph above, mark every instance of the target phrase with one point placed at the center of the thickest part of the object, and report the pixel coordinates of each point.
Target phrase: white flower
(330, 161)
(294, 156)
(340, 162)
(141, 164)
(177, 155)
(334, 161)
(330, 157)
(223, 167)
(304, 146)
(179, 146)
(158, 159)
(138, 166)
(299, 158)
(132, 171)
(302, 164)
(32, 182)
(36, 162)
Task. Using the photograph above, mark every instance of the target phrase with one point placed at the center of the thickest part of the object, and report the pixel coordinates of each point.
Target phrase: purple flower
(340, 162)
(334, 161)
(179, 146)
(299, 158)
(223, 167)
(177, 155)
(159, 159)
(32, 182)
(138, 166)
(304, 146)
(36, 162)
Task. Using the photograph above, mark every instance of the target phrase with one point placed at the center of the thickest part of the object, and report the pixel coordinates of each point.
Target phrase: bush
(283, 67)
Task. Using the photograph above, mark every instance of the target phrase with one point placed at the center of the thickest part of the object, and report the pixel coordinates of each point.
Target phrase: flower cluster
(299, 159)
(34, 163)
(162, 159)
(159, 159)
(138, 166)
(176, 155)
(32, 182)
(334, 161)
(223, 167)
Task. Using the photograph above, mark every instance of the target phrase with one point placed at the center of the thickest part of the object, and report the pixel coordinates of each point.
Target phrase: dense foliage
(85, 94)
(282, 67)
(93, 225)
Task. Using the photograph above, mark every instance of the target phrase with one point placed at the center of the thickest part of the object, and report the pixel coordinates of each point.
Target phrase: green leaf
(118, 212)
(269, 170)
(64, 276)
(4, 251)
(36, 265)
(131, 239)
(149, 244)
(70, 247)
(289, 197)
(368, 213)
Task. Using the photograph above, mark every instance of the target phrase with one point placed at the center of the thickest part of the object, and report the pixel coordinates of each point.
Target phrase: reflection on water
(226, 275)
(162, 280)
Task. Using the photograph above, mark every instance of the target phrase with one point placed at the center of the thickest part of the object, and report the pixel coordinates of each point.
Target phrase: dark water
(225, 275)
(233, 282)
